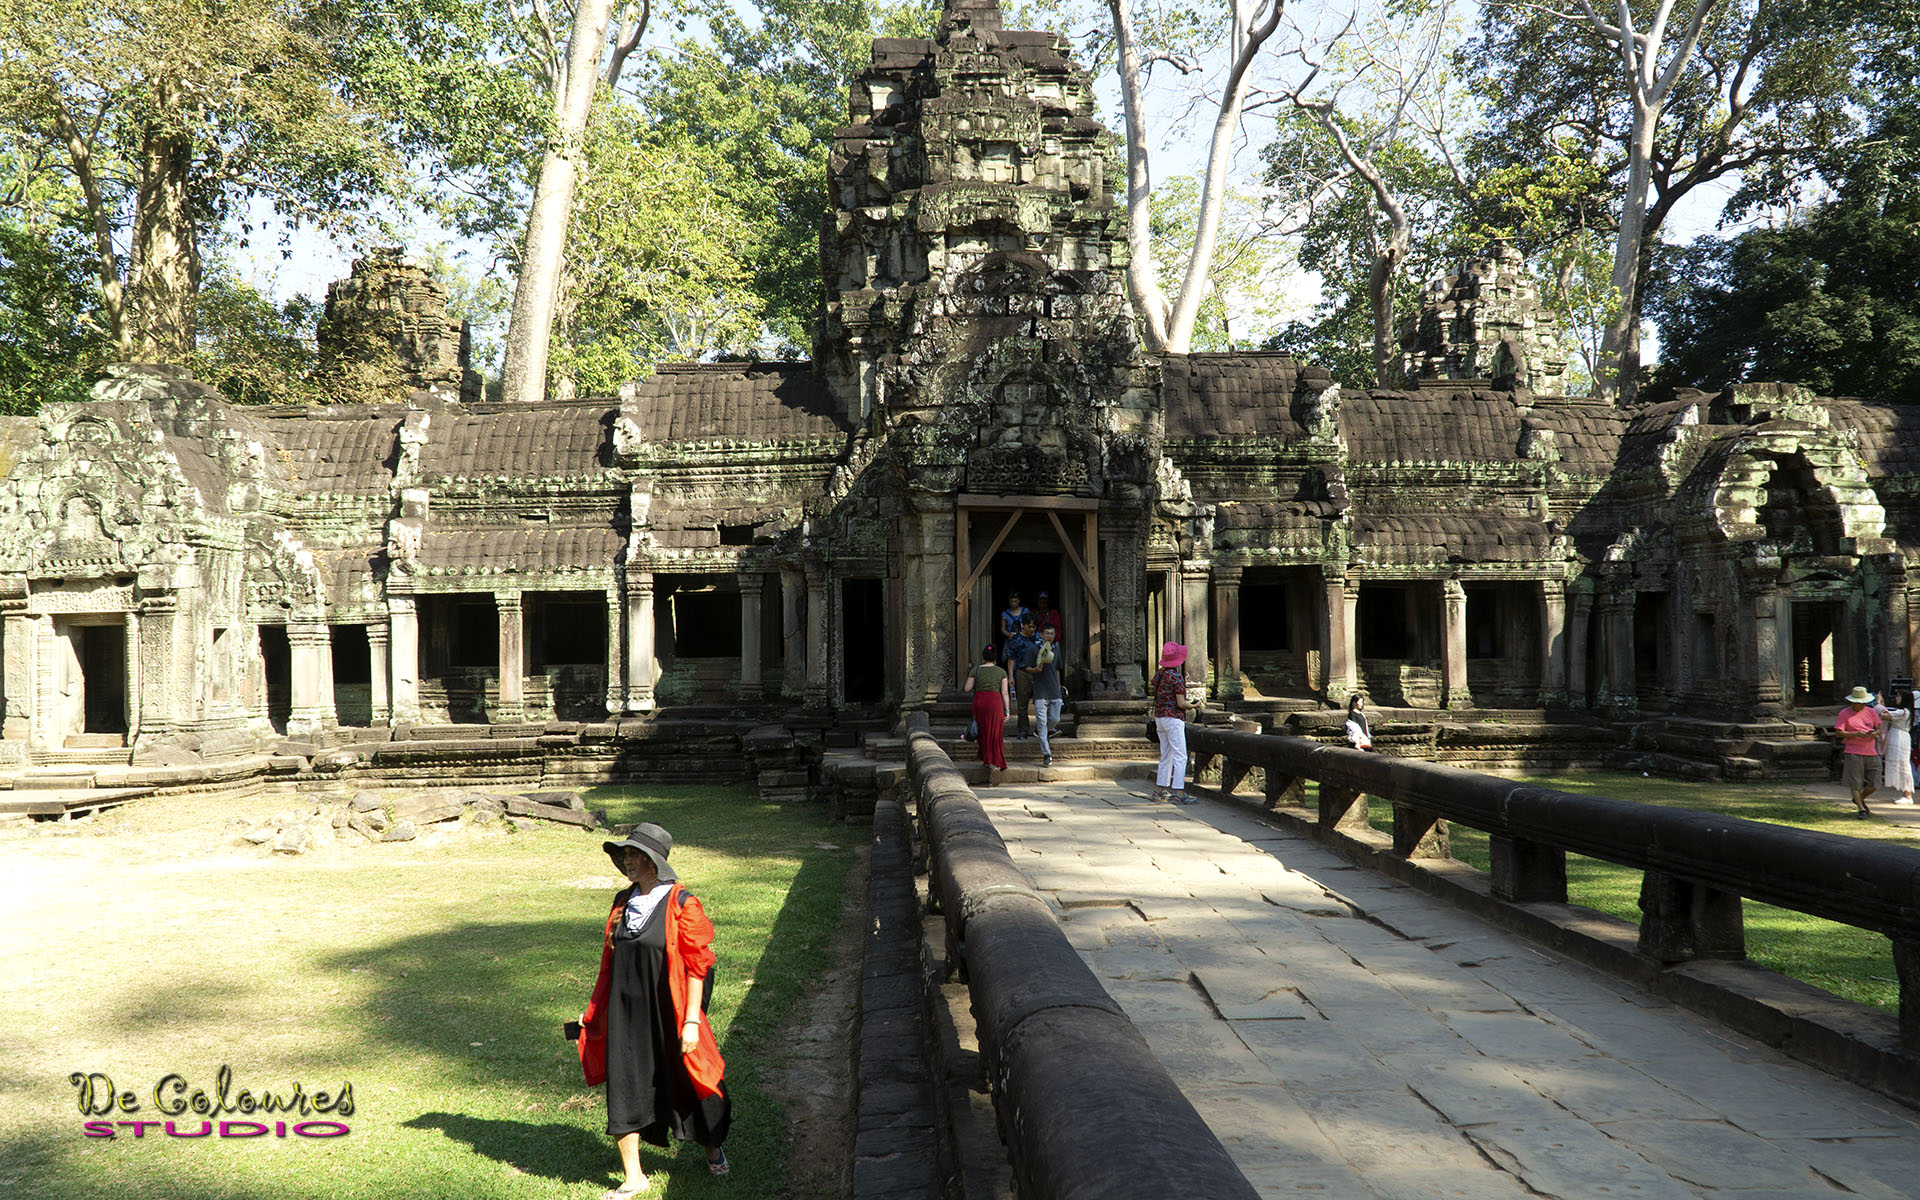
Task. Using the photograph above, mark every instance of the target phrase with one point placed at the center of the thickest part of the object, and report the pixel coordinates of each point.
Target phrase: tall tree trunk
(163, 271)
(523, 376)
(1620, 347)
(100, 218)
(1143, 276)
(1193, 288)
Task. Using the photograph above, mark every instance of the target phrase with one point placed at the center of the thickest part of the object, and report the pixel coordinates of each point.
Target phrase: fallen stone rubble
(370, 817)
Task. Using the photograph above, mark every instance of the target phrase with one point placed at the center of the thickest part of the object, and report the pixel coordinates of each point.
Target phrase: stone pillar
(510, 616)
(818, 684)
(1226, 605)
(379, 664)
(47, 730)
(1337, 637)
(135, 717)
(16, 662)
(1616, 609)
(751, 586)
(152, 677)
(1553, 643)
(639, 665)
(311, 683)
(942, 645)
(1453, 662)
(1194, 620)
(793, 632)
(403, 636)
(1580, 595)
(1763, 644)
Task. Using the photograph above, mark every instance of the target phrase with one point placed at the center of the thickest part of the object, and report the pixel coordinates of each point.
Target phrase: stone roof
(1430, 425)
(524, 441)
(1889, 435)
(1230, 395)
(536, 547)
(1586, 433)
(1429, 538)
(760, 402)
(342, 451)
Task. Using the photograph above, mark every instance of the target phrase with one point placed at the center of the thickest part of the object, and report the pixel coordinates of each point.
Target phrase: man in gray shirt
(1044, 673)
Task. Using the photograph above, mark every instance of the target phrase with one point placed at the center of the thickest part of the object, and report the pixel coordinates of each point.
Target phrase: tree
(1245, 287)
(48, 296)
(1169, 326)
(1829, 298)
(763, 93)
(161, 116)
(1373, 114)
(1666, 96)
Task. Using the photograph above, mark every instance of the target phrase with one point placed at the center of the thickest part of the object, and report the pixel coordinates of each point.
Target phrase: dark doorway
(706, 624)
(1820, 660)
(1026, 572)
(863, 637)
(103, 665)
(567, 630)
(352, 675)
(1385, 619)
(276, 663)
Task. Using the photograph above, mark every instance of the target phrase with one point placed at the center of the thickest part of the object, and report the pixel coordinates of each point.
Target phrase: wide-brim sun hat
(652, 841)
(1859, 695)
(1172, 654)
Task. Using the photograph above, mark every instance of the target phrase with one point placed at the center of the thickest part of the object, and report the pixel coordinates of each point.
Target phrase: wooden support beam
(973, 572)
(1073, 556)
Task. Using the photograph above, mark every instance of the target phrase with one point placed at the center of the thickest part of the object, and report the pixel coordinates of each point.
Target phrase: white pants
(1173, 753)
(1047, 712)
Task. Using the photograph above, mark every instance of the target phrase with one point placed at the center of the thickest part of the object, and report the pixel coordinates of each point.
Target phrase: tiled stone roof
(1889, 435)
(1230, 396)
(1439, 539)
(344, 451)
(1437, 425)
(1586, 434)
(703, 402)
(526, 441)
(536, 547)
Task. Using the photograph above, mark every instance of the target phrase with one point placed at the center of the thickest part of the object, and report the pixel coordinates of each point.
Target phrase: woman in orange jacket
(645, 1032)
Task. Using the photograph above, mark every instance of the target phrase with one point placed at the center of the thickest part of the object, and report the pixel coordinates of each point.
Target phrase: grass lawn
(1849, 962)
(432, 976)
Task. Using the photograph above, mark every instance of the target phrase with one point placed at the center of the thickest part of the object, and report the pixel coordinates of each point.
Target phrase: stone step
(51, 778)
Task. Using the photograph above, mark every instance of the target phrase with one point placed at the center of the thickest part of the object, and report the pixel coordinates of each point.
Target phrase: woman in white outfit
(1897, 773)
(1359, 733)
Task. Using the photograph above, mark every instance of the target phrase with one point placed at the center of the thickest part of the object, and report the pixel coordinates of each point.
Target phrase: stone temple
(816, 542)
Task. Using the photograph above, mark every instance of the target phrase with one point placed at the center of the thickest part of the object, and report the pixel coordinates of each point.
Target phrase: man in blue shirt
(1022, 650)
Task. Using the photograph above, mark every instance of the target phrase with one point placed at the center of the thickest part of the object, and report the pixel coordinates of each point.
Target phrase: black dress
(648, 1089)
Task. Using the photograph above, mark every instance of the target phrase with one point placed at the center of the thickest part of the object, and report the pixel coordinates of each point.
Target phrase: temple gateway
(836, 538)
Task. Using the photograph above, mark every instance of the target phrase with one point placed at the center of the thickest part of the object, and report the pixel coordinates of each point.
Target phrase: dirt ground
(810, 1071)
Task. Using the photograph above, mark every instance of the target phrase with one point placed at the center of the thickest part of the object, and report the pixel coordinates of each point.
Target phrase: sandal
(627, 1191)
(719, 1166)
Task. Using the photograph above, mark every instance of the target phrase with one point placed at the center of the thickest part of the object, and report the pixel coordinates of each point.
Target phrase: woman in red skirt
(988, 683)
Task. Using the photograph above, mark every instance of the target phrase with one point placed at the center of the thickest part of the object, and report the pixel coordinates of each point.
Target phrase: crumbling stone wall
(386, 330)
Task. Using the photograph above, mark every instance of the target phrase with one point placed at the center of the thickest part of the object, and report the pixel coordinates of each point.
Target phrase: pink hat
(1172, 654)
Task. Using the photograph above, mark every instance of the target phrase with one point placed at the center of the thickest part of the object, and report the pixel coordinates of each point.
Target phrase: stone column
(818, 684)
(510, 616)
(1194, 619)
(1763, 644)
(1337, 637)
(151, 669)
(615, 670)
(927, 671)
(1226, 607)
(793, 632)
(751, 586)
(379, 663)
(1580, 595)
(16, 661)
(1453, 662)
(311, 690)
(1553, 643)
(135, 717)
(1616, 609)
(403, 637)
(639, 665)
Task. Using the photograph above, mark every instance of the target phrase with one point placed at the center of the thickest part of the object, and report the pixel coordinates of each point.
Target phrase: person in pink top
(1859, 728)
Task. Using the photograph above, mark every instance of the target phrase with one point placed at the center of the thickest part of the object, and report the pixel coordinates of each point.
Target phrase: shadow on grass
(565, 1153)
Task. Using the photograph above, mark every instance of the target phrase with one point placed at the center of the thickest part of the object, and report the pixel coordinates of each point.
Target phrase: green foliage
(49, 338)
(1249, 266)
(253, 350)
(1829, 298)
(762, 97)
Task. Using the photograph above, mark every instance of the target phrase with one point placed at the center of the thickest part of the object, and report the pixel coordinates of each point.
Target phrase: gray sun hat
(651, 840)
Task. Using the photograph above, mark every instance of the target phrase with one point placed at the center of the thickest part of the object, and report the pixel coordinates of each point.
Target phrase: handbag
(1153, 730)
(973, 730)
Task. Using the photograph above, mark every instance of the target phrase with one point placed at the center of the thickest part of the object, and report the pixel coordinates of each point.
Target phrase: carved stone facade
(979, 417)
(390, 315)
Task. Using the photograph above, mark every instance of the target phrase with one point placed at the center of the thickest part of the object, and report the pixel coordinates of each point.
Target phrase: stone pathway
(1346, 1036)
